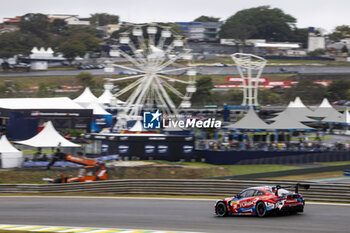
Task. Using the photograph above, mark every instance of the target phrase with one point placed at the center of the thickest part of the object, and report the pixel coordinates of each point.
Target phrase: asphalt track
(163, 214)
(203, 70)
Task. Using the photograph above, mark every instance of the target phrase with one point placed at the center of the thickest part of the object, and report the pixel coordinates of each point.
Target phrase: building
(201, 31)
(315, 41)
(107, 30)
(71, 20)
(10, 24)
(279, 49)
(40, 58)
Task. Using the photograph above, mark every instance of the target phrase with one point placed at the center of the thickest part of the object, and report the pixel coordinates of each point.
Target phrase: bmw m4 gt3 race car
(260, 201)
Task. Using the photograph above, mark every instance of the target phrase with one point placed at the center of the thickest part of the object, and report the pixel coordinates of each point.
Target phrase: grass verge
(311, 176)
(159, 170)
(334, 163)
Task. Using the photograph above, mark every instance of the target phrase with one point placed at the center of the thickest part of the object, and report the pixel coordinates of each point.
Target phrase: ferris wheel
(153, 52)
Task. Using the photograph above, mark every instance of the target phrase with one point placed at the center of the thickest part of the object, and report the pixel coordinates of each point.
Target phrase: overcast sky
(318, 13)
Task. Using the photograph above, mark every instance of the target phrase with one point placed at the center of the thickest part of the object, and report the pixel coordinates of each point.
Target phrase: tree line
(263, 22)
(36, 30)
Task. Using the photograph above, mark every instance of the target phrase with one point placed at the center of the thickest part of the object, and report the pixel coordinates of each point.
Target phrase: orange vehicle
(93, 170)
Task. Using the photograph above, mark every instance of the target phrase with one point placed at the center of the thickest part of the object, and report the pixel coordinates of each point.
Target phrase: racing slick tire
(221, 209)
(260, 209)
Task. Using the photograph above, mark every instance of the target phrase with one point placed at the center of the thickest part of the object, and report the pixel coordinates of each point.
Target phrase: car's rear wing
(296, 186)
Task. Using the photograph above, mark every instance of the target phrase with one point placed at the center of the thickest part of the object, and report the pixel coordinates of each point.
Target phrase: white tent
(39, 103)
(289, 123)
(138, 127)
(107, 98)
(326, 110)
(294, 113)
(298, 104)
(86, 98)
(295, 109)
(97, 109)
(251, 121)
(339, 119)
(48, 137)
(9, 155)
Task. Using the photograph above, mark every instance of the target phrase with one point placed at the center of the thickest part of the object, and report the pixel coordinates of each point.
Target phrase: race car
(263, 200)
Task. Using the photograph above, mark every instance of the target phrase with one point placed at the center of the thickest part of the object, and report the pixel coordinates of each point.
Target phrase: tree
(317, 53)
(238, 30)
(307, 90)
(36, 24)
(259, 23)
(205, 18)
(345, 49)
(340, 32)
(204, 86)
(78, 45)
(233, 97)
(14, 43)
(90, 42)
(267, 96)
(338, 89)
(101, 19)
(300, 35)
(58, 26)
(86, 79)
(72, 49)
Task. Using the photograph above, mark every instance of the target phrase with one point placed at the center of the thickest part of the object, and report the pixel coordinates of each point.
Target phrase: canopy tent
(297, 110)
(97, 109)
(326, 110)
(251, 121)
(39, 103)
(9, 155)
(338, 119)
(294, 113)
(298, 104)
(86, 98)
(288, 122)
(107, 98)
(138, 127)
(48, 137)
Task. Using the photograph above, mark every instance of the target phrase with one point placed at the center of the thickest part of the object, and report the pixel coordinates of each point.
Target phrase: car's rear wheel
(260, 209)
(221, 209)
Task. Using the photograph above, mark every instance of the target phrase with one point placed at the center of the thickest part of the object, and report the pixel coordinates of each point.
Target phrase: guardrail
(317, 191)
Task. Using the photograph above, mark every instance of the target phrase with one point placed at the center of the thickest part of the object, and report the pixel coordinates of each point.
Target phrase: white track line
(84, 229)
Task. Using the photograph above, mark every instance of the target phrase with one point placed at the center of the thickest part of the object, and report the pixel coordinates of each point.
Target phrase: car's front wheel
(260, 209)
(221, 209)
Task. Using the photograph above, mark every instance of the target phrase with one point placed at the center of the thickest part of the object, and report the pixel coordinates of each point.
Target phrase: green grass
(311, 176)
(247, 169)
(62, 68)
(334, 163)
(250, 169)
(235, 169)
(30, 152)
